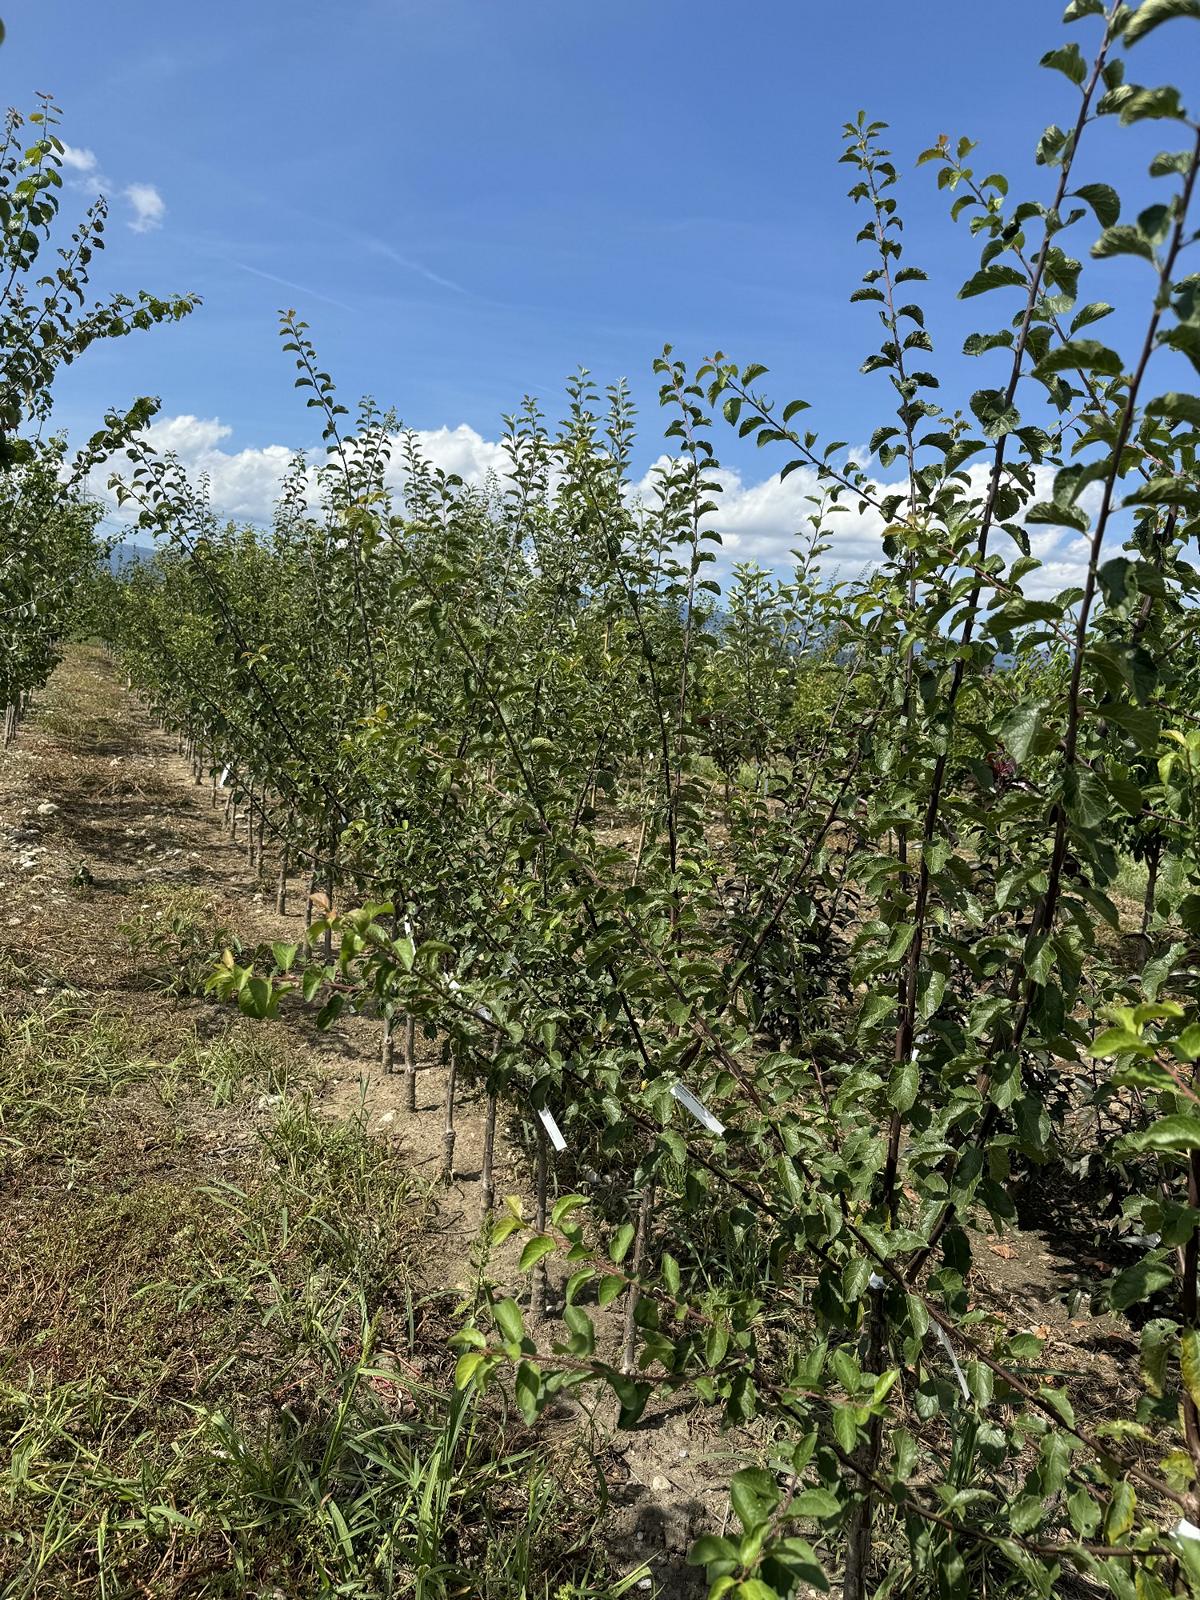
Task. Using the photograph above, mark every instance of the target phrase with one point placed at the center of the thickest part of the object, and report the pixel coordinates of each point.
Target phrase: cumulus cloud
(78, 160)
(459, 450)
(762, 521)
(148, 206)
(244, 484)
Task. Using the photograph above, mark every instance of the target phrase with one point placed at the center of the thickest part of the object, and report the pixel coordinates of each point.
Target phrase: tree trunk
(410, 1064)
(308, 913)
(327, 942)
(629, 1343)
(282, 884)
(486, 1180)
(1152, 861)
(448, 1136)
(537, 1289)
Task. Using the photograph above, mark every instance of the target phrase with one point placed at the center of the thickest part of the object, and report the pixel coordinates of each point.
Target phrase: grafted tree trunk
(541, 1279)
(250, 828)
(448, 1136)
(487, 1186)
(641, 1232)
(410, 1063)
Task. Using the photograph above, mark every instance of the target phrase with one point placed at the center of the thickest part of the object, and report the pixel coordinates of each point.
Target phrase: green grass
(224, 1383)
(57, 1062)
(175, 931)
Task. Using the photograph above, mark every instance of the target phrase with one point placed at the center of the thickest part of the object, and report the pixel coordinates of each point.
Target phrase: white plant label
(949, 1349)
(225, 777)
(1184, 1529)
(698, 1109)
(553, 1131)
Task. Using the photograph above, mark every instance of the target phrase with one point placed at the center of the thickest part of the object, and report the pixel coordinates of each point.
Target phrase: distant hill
(127, 554)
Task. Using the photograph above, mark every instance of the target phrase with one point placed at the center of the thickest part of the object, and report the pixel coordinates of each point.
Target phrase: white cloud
(149, 207)
(460, 450)
(763, 521)
(244, 484)
(77, 159)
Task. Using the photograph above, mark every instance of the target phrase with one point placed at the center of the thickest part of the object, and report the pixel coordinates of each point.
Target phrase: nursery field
(541, 1061)
(236, 1260)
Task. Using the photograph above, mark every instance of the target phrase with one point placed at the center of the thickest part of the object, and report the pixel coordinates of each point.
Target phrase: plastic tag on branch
(553, 1131)
(876, 1282)
(1184, 1529)
(698, 1109)
(224, 777)
(949, 1349)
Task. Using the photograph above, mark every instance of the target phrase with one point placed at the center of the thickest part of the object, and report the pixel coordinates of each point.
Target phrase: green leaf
(1081, 355)
(1152, 13)
(1135, 104)
(1104, 201)
(1189, 1362)
(710, 1547)
(1179, 1133)
(1139, 1282)
(754, 1495)
(1123, 240)
(621, 1240)
(466, 1367)
(1176, 407)
(1020, 728)
(669, 1268)
(996, 415)
(1067, 59)
(845, 1426)
(609, 1288)
(564, 1206)
(536, 1249)
(816, 1503)
(996, 276)
(1085, 797)
(631, 1394)
(1114, 1041)
(508, 1318)
(1093, 312)
(528, 1388)
(1120, 1511)
(903, 1085)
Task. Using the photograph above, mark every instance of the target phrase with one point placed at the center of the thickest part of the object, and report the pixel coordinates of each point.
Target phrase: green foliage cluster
(796, 917)
(47, 526)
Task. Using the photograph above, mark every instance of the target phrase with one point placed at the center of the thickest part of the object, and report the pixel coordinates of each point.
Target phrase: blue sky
(466, 199)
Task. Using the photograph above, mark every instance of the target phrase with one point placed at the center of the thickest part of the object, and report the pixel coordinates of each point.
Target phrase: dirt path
(102, 829)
